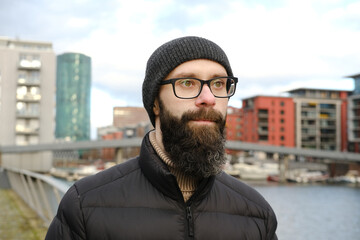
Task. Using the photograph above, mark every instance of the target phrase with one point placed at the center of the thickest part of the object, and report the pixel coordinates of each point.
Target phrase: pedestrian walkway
(17, 220)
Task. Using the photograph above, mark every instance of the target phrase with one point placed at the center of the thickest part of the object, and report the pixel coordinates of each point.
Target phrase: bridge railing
(40, 192)
(43, 193)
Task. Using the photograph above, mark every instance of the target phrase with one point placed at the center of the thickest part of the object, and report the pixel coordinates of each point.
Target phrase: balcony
(308, 139)
(327, 139)
(326, 115)
(308, 132)
(356, 125)
(263, 113)
(27, 114)
(308, 115)
(263, 130)
(29, 64)
(308, 123)
(263, 122)
(21, 129)
(356, 104)
(263, 138)
(28, 97)
(356, 134)
(308, 145)
(328, 136)
(328, 124)
(327, 147)
(308, 106)
(28, 81)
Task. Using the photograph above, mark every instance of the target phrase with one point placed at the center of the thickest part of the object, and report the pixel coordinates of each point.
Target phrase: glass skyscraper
(73, 85)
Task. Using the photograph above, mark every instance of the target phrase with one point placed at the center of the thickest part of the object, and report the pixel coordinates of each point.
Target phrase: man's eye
(186, 83)
(218, 83)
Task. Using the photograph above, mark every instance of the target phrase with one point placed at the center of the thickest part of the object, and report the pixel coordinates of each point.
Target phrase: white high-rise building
(27, 92)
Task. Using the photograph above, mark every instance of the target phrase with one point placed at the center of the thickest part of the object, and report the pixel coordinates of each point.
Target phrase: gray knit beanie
(170, 55)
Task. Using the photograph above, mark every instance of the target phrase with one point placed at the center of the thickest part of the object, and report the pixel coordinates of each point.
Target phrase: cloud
(272, 50)
(75, 22)
(272, 45)
(182, 14)
(101, 110)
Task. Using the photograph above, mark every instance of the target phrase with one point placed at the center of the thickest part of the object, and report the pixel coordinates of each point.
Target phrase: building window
(29, 77)
(282, 138)
(282, 103)
(282, 120)
(334, 95)
(27, 109)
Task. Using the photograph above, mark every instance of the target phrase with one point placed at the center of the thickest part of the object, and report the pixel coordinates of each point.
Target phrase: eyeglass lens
(189, 88)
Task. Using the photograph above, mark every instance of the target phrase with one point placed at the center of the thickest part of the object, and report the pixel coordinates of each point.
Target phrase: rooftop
(353, 76)
(317, 89)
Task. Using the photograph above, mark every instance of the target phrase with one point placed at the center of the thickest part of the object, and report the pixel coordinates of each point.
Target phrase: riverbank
(17, 220)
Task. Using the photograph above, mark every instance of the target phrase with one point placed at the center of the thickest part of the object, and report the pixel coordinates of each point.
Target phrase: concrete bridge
(119, 145)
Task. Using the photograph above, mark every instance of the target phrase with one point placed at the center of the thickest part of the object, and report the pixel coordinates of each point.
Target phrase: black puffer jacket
(140, 199)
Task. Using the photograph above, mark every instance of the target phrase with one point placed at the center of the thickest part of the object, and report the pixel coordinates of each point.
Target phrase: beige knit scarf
(186, 184)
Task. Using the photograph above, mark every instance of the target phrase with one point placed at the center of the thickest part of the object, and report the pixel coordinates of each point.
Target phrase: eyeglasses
(187, 88)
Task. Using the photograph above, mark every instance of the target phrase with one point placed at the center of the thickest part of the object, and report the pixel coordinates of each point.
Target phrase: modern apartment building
(320, 118)
(354, 116)
(268, 120)
(27, 88)
(129, 116)
(73, 93)
(27, 102)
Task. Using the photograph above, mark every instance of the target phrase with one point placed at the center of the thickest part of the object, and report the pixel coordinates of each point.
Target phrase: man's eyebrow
(219, 75)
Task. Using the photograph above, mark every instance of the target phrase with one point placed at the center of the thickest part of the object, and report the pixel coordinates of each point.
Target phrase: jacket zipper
(190, 220)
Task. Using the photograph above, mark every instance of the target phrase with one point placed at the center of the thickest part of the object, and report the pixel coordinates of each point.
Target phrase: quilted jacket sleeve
(272, 225)
(68, 222)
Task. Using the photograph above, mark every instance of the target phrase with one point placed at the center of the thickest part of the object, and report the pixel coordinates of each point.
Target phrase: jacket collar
(158, 174)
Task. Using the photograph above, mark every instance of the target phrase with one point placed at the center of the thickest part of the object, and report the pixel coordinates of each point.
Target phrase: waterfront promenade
(17, 220)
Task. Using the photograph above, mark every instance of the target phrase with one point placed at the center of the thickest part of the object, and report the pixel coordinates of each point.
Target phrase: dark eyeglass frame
(207, 82)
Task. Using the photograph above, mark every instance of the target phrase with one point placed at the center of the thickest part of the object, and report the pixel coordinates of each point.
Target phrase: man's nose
(206, 97)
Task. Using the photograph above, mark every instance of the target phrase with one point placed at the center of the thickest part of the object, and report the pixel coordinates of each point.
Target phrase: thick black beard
(198, 151)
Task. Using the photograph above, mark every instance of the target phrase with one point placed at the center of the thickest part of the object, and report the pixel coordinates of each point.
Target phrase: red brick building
(268, 120)
(128, 122)
(108, 154)
(233, 127)
(129, 116)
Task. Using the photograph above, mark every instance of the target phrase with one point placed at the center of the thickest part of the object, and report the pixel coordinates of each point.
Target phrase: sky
(273, 45)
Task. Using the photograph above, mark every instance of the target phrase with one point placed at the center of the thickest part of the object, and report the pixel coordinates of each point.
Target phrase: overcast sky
(273, 45)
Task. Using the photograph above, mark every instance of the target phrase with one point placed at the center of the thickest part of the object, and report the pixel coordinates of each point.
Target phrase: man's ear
(156, 108)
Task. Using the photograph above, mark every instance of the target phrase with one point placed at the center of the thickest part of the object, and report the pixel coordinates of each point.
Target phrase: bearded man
(175, 188)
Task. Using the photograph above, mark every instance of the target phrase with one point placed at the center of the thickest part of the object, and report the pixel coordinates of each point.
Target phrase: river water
(314, 212)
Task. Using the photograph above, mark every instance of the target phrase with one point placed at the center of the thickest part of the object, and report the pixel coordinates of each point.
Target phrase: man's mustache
(203, 115)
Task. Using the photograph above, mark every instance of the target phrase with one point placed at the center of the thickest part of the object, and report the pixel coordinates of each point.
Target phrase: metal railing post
(49, 216)
(28, 198)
